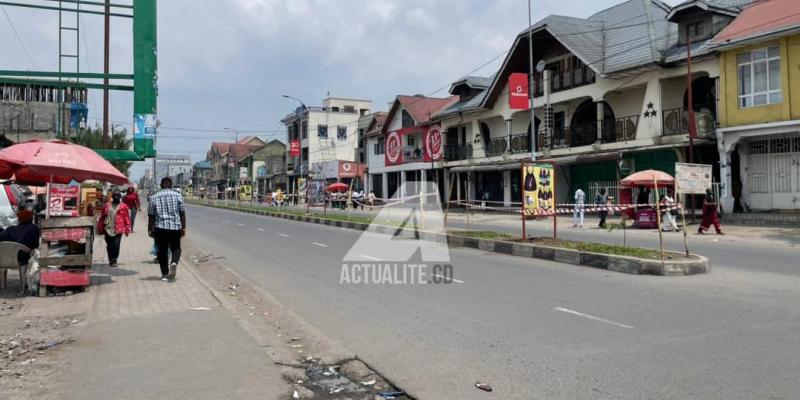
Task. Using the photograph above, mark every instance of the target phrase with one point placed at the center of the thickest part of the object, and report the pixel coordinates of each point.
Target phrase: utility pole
(690, 105)
(530, 85)
(106, 49)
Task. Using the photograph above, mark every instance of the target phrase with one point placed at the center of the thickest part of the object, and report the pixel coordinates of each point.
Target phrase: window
(379, 147)
(349, 109)
(341, 132)
(304, 130)
(411, 140)
(696, 30)
(407, 120)
(760, 77)
(322, 131)
(335, 109)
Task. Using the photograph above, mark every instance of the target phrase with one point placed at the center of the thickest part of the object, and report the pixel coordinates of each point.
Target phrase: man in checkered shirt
(167, 225)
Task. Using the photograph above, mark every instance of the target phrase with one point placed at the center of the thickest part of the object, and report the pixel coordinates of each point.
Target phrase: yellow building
(759, 108)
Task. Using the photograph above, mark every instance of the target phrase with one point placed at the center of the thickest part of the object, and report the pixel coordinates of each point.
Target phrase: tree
(93, 139)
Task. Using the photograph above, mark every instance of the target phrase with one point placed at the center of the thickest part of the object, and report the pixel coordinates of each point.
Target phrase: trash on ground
(295, 395)
(369, 382)
(390, 395)
(483, 386)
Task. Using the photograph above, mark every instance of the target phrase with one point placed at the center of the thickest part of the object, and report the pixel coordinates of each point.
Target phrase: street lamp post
(300, 128)
(232, 152)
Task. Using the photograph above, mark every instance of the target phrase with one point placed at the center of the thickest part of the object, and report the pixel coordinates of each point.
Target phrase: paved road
(533, 329)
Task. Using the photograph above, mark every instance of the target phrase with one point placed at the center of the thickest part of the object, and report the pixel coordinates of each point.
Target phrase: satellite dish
(540, 66)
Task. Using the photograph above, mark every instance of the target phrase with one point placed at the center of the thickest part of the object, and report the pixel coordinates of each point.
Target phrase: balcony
(411, 154)
(457, 152)
(520, 143)
(676, 122)
(496, 146)
(620, 129)
(575, 136)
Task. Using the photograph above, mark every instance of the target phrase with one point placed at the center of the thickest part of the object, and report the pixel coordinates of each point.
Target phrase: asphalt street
(535, 329)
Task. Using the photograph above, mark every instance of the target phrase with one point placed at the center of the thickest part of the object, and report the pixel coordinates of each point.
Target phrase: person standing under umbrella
(131, 199)
(115, 221)
(167, 224)
(709, 214)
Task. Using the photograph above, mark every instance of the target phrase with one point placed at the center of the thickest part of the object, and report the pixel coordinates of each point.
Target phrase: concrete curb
(624, 264)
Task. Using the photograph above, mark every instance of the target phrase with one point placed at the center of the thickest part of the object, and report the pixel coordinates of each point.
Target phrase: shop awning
(118, 155)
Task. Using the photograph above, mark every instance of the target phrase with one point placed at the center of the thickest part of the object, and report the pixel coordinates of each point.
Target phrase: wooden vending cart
(65, 252)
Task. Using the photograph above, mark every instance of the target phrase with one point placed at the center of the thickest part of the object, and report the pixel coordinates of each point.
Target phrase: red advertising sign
(350, 169)
(394, 149)
(64, 200)
(295, 148)
(432, 144)
(518, 91)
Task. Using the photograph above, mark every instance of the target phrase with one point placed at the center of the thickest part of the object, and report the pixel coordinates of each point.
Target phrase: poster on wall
(432, 144)
(245, 193)
(394, 149)
(64, 200)
(538, 189)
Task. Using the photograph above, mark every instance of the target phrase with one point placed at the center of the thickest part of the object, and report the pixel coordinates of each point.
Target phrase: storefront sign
(295, 148)
(692, 178)
(242, 172)
(64, 200)
(538, 188)
(432, 144)
(394, 149)
(518, 97)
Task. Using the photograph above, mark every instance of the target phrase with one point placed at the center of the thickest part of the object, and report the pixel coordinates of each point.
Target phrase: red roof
(221, 147)
(423, 108)
(762, 17)
(242, 151)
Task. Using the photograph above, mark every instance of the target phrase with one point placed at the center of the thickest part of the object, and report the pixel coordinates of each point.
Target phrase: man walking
(577, 214)
(167, 225)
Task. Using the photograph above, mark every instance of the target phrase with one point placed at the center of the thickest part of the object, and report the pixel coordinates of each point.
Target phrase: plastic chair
(9, 258)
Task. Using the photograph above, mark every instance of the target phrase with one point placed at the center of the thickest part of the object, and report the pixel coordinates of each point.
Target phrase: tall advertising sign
(432, 148)
(518, 91)
(538, 189)
(145, 77)
(295, 148)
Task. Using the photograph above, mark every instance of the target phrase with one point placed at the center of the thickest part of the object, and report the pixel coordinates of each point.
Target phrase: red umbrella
(337, 187)
(647, 178)
(39, 162)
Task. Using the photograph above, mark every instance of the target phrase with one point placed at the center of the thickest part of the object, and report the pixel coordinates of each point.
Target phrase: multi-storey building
(31, 111)
(610, 98)
(324, 133)
(373, 151)
(759, 139)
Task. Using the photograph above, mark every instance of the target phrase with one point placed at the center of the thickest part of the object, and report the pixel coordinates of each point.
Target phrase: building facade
(324, 133)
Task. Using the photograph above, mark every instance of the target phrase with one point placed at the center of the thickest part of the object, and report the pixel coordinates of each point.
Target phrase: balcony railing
(412, 154)
(620, 129)
(520, 143)
(496, 146)
(456, 152)
(565, 80)
(676, 122)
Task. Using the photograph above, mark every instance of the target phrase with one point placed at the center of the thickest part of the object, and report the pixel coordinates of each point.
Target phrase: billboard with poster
(245, 193)
(692, 178)
(538, 189)
(63, 200)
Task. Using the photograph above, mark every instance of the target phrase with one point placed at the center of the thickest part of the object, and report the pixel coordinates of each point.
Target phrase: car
(11, 199)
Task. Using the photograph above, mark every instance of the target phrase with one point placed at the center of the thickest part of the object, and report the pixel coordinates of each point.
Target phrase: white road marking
(226, 221)
(261, 229)
(283, 235)
(598, 319)
(240, 224)
(371, 258)
(443, 278)
(319, 244)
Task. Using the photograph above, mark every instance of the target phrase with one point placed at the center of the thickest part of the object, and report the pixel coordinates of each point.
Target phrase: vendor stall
(67, 232)
(645, 215)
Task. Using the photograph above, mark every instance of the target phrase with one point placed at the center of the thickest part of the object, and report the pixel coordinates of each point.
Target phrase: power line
(19, 39)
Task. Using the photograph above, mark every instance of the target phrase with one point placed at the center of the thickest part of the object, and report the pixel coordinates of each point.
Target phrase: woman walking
(709, 214)
(115, 221)
(131, 200)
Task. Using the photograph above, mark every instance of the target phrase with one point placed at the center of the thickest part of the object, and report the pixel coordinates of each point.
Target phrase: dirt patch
(28, 346)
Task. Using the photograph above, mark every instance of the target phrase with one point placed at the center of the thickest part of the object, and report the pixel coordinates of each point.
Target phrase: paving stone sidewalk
(149, 339)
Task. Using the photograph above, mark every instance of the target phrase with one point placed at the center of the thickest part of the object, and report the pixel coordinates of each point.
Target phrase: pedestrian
(601, 200)
(25, 233)
(131, 199)
(709, 214)
(371, 199)
(114, 222)
(580, 202)
(668, 221)
(279, 197)
(167, 224)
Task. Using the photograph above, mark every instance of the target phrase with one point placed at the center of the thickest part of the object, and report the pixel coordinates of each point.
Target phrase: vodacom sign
(433, 144)
(394, 147)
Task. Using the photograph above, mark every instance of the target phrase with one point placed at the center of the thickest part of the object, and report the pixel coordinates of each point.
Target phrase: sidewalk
(140, 337)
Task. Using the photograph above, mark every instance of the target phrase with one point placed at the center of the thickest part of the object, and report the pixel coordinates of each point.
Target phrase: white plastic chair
(9, 253)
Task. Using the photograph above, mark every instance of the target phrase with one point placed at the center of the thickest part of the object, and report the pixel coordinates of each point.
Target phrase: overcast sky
(225, 63)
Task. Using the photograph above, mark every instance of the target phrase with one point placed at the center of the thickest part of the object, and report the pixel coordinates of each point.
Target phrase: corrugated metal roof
(761, 18)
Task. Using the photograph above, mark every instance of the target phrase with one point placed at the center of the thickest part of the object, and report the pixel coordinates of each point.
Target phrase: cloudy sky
(225, 63)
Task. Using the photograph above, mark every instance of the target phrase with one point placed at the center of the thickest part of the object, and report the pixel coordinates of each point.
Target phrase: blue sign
(144, 126)
(261, 171)
(78, 112)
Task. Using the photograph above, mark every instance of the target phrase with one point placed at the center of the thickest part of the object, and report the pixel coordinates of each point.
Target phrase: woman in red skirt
(709, 214)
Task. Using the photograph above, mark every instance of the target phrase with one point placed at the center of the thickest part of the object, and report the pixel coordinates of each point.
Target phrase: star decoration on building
(651, 111)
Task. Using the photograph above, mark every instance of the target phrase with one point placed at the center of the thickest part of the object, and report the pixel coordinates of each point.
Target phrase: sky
(226, 63)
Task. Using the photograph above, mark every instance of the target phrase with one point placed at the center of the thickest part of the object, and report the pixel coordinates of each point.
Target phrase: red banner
(394, 149)
(432, 148)
(64, 200)
(518, 98)
(350, 169)
(295, 148)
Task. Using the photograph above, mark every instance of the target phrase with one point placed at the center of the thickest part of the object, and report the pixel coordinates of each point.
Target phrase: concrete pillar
(600, 115)
(478, 150)
(385, 185)
(651, 116)
(458, 186)
(725, 147)
(507, 188)
(509, 132)
(402, 184)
